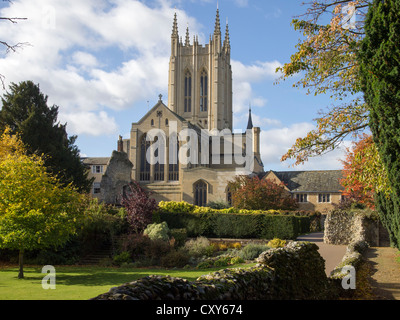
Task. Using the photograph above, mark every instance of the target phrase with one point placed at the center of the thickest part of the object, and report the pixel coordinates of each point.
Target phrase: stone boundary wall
(343, 228)
(358, 232)
(296, 271)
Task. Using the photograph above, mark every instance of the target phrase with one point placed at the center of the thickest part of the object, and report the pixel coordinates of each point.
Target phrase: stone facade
(198, 122)
(198, 114)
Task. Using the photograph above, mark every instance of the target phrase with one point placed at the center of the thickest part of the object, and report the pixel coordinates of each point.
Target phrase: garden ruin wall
(296, 271)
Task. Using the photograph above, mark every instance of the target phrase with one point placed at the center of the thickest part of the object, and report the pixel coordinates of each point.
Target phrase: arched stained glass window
(203, 91)
(144, 164)
(188, 92)
(174, 160)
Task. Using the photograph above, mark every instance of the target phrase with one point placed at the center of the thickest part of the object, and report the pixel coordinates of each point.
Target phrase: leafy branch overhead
(326, 58)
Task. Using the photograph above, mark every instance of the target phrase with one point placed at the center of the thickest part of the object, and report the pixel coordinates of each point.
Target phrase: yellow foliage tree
(36, 212)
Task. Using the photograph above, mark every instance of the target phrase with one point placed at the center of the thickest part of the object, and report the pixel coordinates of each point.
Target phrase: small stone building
(314, 190)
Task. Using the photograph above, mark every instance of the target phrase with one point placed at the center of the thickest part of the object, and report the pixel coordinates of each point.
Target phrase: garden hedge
(237, 225)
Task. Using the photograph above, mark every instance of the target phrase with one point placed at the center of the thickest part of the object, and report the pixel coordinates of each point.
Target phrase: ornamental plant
(36, 211)
(139, 207)
(253, 193)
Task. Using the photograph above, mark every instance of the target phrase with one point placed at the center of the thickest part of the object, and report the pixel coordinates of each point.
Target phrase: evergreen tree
(380, 77)
(26, 112)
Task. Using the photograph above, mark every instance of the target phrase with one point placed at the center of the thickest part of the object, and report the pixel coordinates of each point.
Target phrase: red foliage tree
(139, 206)
(253, 193)
(357, 189)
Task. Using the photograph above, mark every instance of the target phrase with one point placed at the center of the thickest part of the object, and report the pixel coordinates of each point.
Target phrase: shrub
(122, 257)
(157, 231)
(180, 236)
(135, 244)
(199, 247)
(139, 207)
(175, 258)
(236, 260)
(175, 206)
(253, 224)
(276, 243)
(157, 249)
(222, 261)
(259, 194)
(252, 251)
(218, 205)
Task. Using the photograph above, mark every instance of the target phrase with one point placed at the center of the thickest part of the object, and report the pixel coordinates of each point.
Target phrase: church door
(200, 193)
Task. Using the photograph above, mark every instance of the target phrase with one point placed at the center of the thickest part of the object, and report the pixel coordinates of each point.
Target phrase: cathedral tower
(200, 79)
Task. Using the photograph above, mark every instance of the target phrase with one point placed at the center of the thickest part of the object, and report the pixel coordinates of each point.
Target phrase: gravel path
(385, 278)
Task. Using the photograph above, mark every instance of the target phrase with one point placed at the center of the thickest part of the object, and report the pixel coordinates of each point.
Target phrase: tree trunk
(21, 264)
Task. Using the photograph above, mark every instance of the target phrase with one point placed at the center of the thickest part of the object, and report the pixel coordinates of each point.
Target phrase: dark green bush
(121, 258)
(252, 251)
(180, 236)
(241, 226)
(175, 258)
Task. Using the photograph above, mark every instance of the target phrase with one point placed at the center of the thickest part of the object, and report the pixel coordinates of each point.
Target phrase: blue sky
(104, 63)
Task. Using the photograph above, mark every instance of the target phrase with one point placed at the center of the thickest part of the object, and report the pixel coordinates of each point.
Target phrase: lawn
(80, 282)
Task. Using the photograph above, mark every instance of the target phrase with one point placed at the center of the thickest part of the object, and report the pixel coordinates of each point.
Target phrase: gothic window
(229, 196)
(144, 164)
(166, 122)
(174, 162)
(158, 167)
(152, 122)
(188, 92)
(200, 193)
(203, 91)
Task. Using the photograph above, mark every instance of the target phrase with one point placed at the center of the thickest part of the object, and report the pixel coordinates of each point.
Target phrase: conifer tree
(25, 111)
(380, 78)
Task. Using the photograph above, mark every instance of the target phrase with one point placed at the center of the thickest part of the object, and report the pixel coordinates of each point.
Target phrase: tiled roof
(311, 181)
(96, 161)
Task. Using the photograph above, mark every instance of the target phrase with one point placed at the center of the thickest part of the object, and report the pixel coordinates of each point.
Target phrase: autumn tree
(326, 59)
(380, 79)
(253, 193)
(139, 206)
(364, 174)
(36, 212)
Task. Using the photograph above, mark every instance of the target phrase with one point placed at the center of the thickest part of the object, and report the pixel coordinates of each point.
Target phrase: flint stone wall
(346, 227)
(296, 271)
(116, 177)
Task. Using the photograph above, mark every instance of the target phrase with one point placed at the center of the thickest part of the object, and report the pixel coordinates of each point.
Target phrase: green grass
(80, 282)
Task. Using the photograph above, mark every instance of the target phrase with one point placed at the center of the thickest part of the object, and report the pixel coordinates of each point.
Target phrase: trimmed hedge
(237, 225)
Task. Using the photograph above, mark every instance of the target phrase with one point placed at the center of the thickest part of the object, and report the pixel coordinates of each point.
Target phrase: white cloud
(276, 142)
(69, 52)
(241, 3)
(90, 123)
(243, 78)
(84, 59)
(65, 53)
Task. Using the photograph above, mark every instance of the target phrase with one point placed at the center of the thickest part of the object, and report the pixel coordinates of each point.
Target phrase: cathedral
(187, 150)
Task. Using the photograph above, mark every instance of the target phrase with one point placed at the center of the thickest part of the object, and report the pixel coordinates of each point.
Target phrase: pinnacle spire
(175, 27)
(217, 23)
(187, 40)
(250, 122)
(227, 41)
